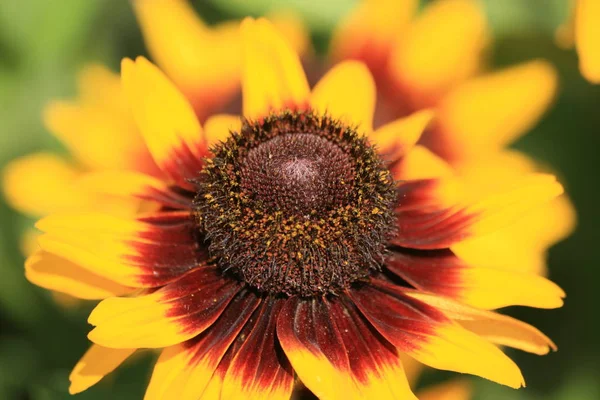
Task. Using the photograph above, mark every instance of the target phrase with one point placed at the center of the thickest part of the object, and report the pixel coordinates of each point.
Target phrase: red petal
(314, 346)
(402, 320)
(259, 368)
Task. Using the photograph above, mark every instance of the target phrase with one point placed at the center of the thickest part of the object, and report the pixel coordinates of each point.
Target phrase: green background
(42, 46)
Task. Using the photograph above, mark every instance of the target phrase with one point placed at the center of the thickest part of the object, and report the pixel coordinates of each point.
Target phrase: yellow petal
(96, 363)
(120, 183)
(499, 210)
(56, 273)
(319, 374)
(172, 314)
(388, 381)
(453, 348)
(177, 372)
(164, 116)
(97, 127)
(496, 328)
(397, 138)
(218, 127)
(97, 137)
(100, 87)
(142, 321)
(441, 48)
(347, 92)
(587, 34)
(522, 245)
(203, 61)
(99, 250)
(421, 163)
(292, 27)
(491, 111)
(40, 184)
(455, 389)
(272, 75)
(490, 288)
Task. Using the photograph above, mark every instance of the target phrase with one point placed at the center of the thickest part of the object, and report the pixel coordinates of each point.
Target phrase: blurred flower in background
(437, 56)
(587, 32)
(436, 59)
(581, 30)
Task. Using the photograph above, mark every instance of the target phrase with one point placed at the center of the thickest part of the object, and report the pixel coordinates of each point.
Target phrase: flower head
(581, 29)
(295, 241)
(435, 57)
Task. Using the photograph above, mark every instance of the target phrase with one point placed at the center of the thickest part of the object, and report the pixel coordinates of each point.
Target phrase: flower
(581, 30)
(586, 38)
(202, 61)
(436, 59)
(296, 241)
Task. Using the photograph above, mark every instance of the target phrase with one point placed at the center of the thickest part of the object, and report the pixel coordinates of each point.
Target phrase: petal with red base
(171, 315)
(272, 76)
(374, 363)
(166, 120)
(259, 370)
(146, 252)
(441, 272)
(436, 213)
(430, 337)
(183, 371)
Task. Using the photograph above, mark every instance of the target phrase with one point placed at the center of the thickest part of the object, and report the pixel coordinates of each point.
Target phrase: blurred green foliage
(42, 46)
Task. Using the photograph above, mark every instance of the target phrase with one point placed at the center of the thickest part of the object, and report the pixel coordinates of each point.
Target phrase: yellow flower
(435, 58)
(582, 30)
(292, 248)
(202, 61)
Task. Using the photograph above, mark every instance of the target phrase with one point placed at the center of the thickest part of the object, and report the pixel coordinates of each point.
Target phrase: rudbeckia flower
(292, 244)
(436, 58)
(582, 30)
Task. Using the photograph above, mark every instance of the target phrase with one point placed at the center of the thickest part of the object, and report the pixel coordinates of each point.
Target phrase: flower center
(299, 173)
(296, 204)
